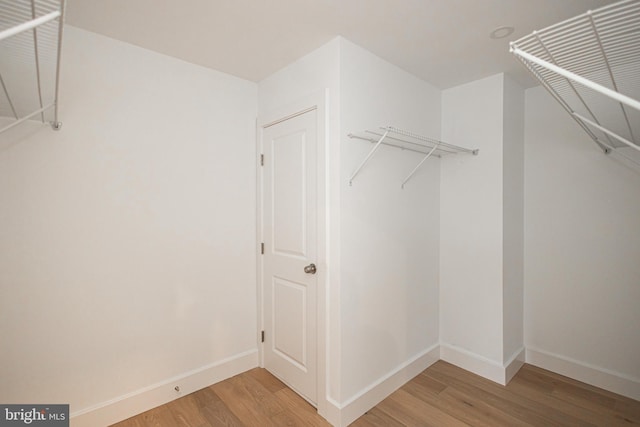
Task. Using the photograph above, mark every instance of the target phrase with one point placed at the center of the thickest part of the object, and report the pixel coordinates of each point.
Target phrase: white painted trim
(259, 240)
(376, 392)
(513, 364)
(130, 404)
(615, 382)
(302, 105)
(472, 362)
(332, 412)
(259, 236)
(320, 102)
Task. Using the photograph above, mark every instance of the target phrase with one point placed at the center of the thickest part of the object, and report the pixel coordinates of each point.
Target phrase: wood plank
(268, 403)
(242, 403)
(578, 391)
(130, 422)
(218, 414)
(467, 408)
(603, 405)
(534, 381)
(629, 409)
(376, 418)
(416, 389)
(205, 397)
(427, 384)
(186, 411)
(474, 411)
(268, 381)
(288, 418)
(303, 409)
(159, 417)
(524, 409)
(561, 378)
(587, 403)
(521, 386)
(412, 411)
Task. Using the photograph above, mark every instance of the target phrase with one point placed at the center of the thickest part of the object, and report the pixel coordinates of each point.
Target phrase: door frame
(317, 101)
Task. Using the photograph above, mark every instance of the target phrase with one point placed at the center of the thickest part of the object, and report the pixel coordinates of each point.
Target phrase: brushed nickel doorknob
(310, 269)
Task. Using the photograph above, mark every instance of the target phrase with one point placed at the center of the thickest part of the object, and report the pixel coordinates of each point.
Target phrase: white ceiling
(445, 42)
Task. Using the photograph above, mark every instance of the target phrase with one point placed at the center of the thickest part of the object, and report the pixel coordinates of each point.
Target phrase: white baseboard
(128, 405)
(376, 392)
(331, 412)
(513, 364)
(472, 362)
(481, 365)
(609, 380)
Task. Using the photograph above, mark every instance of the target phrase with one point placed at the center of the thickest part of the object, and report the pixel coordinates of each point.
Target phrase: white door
(289, 227)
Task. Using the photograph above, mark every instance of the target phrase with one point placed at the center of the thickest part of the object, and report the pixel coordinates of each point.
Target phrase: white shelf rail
(405, 140)
(30, 40)
(591, 65)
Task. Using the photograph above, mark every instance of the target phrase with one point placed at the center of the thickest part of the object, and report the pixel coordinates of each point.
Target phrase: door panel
(289, 315)
(289, 228)
(289, 210)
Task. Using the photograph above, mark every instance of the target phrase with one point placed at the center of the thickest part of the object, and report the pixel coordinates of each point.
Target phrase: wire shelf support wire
(591, 65)
(405, 140)
(30, 50)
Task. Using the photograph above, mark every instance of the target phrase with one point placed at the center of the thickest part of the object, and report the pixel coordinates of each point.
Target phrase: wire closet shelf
(591, 65)
(405, 140)
(30, 51)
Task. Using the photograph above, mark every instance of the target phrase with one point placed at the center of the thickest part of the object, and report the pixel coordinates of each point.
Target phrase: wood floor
(442, 395)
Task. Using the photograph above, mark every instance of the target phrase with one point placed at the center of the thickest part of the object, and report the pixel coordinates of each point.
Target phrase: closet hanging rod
(373, 141)
(456, 148)
(572, 76)
(424, 147)
(29, 24)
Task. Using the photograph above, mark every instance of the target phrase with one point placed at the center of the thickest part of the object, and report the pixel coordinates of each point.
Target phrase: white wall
(128, 238)
(318, 70)
(482, 208)
(513, 216)
(582, 275)
(389, 235)
(471, 220)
